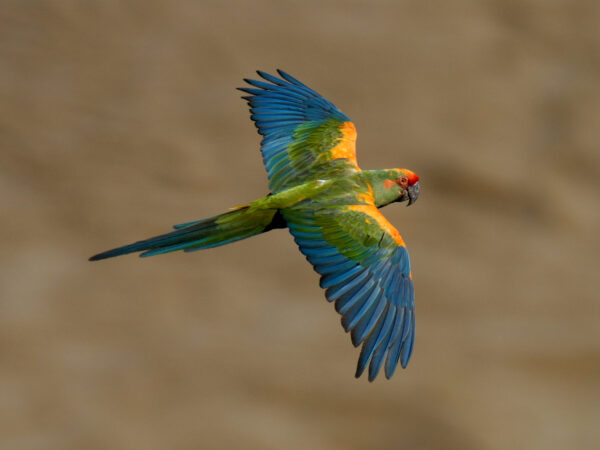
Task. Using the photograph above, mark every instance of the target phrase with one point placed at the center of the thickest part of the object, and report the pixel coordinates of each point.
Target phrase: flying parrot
(331, 208)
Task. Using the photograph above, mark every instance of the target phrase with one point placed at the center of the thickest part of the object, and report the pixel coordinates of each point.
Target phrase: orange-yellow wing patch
(346, 146)
(373, 212)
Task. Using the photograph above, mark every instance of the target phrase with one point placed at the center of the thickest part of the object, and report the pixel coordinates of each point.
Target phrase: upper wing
(364, 266)
(305, 137)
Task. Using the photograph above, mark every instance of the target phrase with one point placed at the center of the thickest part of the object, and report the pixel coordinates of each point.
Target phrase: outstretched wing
(305, 137)
(365, 269)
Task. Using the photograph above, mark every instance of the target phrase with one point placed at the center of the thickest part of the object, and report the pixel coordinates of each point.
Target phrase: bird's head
(409, 182)
(393, 185)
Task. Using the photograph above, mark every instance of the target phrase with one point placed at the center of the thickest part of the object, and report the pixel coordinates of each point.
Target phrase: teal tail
(218, 230)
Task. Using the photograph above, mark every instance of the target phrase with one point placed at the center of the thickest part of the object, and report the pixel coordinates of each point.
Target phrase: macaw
(331, 208)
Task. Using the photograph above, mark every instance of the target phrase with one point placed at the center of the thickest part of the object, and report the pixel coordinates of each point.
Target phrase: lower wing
(365, 269)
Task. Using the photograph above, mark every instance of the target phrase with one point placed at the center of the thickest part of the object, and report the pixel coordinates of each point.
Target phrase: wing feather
(365, 269)
(305, 136)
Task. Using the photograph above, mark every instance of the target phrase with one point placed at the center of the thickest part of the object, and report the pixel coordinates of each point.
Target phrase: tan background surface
(119, 119)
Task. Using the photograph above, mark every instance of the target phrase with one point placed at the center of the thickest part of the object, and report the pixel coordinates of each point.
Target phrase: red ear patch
(388, 184)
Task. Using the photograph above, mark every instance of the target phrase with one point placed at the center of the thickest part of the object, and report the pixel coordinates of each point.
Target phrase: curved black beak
(413, 193)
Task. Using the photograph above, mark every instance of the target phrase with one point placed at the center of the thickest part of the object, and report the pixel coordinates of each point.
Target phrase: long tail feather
(206, 233)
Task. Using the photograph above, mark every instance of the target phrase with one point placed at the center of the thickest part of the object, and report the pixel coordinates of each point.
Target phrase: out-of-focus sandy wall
(119, 119)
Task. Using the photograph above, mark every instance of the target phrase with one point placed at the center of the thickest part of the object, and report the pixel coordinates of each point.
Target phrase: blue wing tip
(263, 74)
(284, 78)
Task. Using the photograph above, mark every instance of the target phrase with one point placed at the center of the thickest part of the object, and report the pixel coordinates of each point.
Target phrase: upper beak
(413, 193)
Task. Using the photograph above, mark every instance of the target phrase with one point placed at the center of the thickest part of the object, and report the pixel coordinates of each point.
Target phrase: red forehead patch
(412, 178)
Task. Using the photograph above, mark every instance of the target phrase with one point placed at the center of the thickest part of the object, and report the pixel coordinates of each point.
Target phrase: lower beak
(413, 193)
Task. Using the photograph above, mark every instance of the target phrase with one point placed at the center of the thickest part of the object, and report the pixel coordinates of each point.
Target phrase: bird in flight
(331, 208)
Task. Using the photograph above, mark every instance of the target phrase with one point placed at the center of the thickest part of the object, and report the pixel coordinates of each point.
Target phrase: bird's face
(409, 182)
(394, 185)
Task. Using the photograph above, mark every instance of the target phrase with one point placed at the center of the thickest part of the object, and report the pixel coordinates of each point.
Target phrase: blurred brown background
(119, 119)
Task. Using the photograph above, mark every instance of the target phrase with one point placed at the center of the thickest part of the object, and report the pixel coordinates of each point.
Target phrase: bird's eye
(403, 180)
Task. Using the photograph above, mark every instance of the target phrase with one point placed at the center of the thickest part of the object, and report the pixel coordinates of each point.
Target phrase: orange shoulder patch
(346, 146)
(364, 198)
(375, 214)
